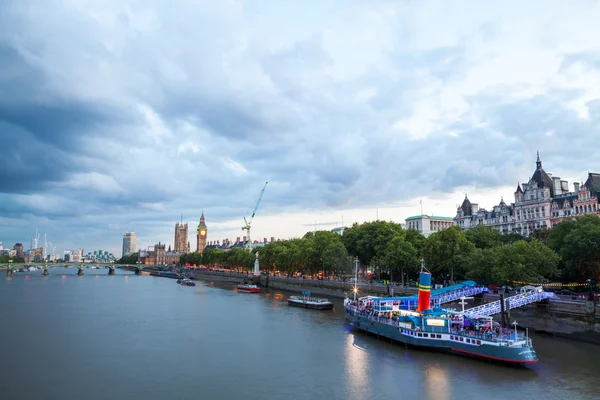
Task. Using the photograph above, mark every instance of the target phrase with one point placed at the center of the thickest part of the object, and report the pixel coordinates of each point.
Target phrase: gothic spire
(538, 162)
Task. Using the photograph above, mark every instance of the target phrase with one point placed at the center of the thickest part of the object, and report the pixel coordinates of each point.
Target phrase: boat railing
(503, 339)
(311, 299)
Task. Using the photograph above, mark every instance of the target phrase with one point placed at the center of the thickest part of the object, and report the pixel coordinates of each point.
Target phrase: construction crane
(53, 248)
(248, 223)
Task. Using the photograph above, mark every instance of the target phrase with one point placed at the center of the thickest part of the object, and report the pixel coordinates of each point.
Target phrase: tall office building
(19, 249)
(128, 243)
(181, 238)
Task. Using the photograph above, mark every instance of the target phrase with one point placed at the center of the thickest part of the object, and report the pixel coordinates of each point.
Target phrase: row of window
(590, 208)
(467, 340)
(421, 334)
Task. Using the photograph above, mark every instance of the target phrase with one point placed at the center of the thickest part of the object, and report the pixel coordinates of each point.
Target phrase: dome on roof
(466, 207)
(541, 177)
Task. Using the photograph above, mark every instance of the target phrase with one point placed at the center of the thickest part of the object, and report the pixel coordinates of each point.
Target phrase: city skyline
(351, 112)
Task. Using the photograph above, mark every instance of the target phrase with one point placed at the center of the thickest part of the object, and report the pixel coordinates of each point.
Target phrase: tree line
(569, 252)
(130, 259)
(6, 259)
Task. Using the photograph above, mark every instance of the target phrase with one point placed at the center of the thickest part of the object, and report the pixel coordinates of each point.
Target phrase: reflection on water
(356, 369)
(436, 379)
(142, 337)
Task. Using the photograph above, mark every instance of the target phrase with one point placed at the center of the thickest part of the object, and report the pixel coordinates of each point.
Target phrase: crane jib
(249, 223)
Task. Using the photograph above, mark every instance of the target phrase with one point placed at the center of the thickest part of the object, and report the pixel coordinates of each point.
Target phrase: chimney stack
(265, 240)
(272, 238)
(237, 240)
(244, 239)
(576, 184)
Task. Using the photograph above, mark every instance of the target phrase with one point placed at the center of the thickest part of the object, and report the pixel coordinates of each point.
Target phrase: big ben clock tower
(201, 235)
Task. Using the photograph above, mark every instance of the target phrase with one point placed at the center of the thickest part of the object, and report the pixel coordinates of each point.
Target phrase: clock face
(202, 233)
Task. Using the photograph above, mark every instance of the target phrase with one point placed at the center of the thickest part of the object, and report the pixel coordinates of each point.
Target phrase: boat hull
(313, 306)
(249, 290)
(501, 354)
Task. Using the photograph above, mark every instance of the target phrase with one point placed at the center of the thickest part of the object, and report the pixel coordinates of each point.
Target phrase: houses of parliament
(182, 245)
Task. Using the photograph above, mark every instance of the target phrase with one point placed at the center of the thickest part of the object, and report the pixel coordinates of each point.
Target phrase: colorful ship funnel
(424, 291)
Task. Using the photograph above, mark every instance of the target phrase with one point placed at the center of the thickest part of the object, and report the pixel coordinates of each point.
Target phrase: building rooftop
(429, 217)
(541, 177)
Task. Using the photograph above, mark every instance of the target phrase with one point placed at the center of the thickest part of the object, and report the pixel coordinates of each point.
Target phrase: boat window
(439, 336)
(425, 335)
(479, 342)
(468, 340)
(419, 335)
(462, 340)
(451, 337)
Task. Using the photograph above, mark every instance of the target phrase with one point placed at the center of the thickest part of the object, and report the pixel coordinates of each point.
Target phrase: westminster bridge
(11, 268)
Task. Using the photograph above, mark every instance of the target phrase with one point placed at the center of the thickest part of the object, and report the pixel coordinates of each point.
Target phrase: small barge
(306, 301)
(186, 282)
(248, 288)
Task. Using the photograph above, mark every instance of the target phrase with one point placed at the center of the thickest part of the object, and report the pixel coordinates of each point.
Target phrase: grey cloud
(248, 112)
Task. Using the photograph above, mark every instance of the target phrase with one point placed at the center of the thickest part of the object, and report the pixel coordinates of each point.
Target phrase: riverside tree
(529, 261)
(130, 259)
(370, 240)
(484, 237)
(397, 257)
(446, 252)
(578, 243)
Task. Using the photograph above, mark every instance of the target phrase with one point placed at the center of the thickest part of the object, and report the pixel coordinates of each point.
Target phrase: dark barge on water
(306, 301)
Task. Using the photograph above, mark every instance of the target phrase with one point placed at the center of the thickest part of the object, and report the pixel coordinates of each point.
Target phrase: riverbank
(570, 320)
(333, 289)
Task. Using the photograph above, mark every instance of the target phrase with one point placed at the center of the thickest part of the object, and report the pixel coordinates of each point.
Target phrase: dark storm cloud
(27, 165)
(120, 116)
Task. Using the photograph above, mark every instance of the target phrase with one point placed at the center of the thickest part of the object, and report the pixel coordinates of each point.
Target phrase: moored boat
(186, 282)
(306, 301)
(248, 288)
(437, 328)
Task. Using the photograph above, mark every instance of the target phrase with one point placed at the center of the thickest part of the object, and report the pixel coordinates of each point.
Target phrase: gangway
(454, 292)
(528, 296)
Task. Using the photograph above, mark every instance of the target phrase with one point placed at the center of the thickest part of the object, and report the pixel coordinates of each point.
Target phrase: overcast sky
(122, 115)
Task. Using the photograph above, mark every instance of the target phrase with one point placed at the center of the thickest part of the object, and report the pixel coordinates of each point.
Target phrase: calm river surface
(141, 337)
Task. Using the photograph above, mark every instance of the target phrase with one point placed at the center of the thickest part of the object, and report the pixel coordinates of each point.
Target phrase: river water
(142, 337)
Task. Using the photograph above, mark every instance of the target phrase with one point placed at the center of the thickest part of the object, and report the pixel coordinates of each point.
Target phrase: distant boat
(306, 301)
(186, 282)
(248, 288)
